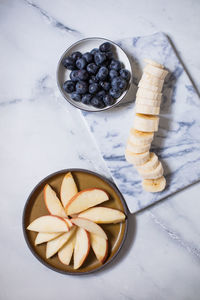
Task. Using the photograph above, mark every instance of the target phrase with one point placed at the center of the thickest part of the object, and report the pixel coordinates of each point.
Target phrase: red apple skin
(79, 193)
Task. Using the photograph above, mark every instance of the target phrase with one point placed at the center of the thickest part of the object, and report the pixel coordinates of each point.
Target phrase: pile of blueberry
(97, 78)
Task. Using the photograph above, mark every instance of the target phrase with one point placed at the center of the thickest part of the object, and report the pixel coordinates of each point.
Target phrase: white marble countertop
(162, 255)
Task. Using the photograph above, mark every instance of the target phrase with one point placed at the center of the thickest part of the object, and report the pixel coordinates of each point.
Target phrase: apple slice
(81, 248)
(68, 189)
(49, 224)
(99, 246)
(52, 202)
(85, 199)
(43, 237)
(55, 245)
(103, 215)
(65, 253)
(69, 223)
(89, 226)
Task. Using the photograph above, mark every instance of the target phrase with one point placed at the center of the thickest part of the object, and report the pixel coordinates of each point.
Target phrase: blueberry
(83, 75)
(115, 94)
(75, 96)
(105, 47)
(102, 73)
(81, 63)
(88, 57)
(113, 74)
(105, 85)
(69, 86)
(76, 55)
(99, 58)
(109, 55)
(93, 79)
(105, 63)
(92, 68)
(81, 87)
(93, 88)
(101, 94)
(115, 64)
(108, 100)
(74, 75)
(125, 74)
(118, 83)
(93, 51)
(96, 102)
(68, 62)
(86, 98)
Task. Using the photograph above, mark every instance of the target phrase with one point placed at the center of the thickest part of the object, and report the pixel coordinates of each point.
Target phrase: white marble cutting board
(177, 142)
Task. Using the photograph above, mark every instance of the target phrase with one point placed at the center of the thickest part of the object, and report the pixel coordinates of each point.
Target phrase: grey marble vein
(51, 19)
(14, 101)
(188, 246)
(177, 142)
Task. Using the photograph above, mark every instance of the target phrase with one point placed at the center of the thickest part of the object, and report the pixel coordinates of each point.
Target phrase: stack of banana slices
(146, 121)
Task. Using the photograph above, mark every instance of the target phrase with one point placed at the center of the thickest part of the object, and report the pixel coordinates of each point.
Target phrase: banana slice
(145, 101)
(148, 86)
(152, 174)
(147, 109)
(157, 72)
(137, 158)
(146, 123)
(153, 63)
(137, 148)
(150, 79)
(151, 164)
(144, 93)
(140, 138)
(154, 185)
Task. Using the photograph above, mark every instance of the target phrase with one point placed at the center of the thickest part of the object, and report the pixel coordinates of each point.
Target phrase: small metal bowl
(86, 45)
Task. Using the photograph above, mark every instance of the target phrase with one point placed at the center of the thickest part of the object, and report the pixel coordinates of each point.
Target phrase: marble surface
(41, 133)
(176, 143)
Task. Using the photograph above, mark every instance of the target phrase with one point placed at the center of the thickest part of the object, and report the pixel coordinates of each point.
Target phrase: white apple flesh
(68, 189)
(54, 245)
(99, 246)
(84, 200)
(82, 247)
(103, 215)
(49, 224)
(89, 226)
(43, 237)
(66, 252)
(52, 202)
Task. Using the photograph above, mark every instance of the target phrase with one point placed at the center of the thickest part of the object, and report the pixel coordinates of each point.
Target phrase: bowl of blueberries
(94, 74)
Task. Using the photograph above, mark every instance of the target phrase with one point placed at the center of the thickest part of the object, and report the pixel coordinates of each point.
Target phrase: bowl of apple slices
(75, 221)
